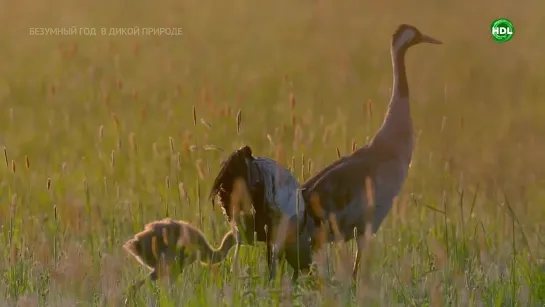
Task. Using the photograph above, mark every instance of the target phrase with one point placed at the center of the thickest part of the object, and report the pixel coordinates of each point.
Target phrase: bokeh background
(309, 77)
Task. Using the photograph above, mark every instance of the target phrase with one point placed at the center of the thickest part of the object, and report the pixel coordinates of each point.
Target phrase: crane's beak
(428, 39)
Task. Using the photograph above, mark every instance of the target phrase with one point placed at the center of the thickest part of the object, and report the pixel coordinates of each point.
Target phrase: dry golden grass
(103, 134)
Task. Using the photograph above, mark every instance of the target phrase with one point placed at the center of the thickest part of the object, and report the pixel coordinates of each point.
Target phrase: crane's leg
(278, 254)
(274, 262)
(295, 276)
(296, 273)
(278, 242)
(234, 265)
(298, 256)
(269, 256)
(360, 243)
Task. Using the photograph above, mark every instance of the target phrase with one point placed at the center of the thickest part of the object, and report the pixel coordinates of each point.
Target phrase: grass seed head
(239, 121)
(171, 144)
(369, 108)
(155, 150)
(132, 142)
(206, 124)
(292, 101)
(194, 116)
(200, 169)
(116, 121)
(210, 147)
(325, 137)
(6, 156)
(112, 159)
(181, 188)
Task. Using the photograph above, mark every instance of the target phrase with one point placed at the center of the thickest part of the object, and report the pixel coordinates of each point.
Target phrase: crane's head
(406, 36)
(237, 166)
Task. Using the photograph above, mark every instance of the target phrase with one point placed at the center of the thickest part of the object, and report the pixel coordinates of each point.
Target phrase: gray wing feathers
(282, 191)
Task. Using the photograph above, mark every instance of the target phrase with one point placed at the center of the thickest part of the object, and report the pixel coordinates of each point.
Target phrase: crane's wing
(282, 201)
(363, 153)
(282, 192)
(273, 189)
(312, 180)
(341, 189)
(360, 152)
(339, 185)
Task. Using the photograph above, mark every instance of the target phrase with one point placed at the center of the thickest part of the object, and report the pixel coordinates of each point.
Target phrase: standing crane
(264, 199)
(385, 161)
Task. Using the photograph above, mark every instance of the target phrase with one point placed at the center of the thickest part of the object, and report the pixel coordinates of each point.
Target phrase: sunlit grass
(105, 134)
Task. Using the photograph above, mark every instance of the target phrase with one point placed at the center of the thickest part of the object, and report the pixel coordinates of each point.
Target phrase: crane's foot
(295, 276)
(234, 263)
(274, 263)
(272, 273)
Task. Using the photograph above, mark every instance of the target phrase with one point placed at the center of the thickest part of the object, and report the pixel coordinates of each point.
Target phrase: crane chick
(172, 245)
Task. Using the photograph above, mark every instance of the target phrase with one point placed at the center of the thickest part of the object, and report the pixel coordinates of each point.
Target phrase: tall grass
(104, 134)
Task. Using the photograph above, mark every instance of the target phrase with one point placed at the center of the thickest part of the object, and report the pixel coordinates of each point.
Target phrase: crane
(384, 162)
(264, 199)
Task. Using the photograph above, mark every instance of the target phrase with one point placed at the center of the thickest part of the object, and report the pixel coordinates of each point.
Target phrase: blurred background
(310, 76)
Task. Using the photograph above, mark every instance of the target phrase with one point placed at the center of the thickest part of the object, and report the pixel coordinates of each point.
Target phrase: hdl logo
(502, 30)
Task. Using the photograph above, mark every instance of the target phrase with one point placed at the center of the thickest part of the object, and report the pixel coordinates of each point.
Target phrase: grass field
(100, 139)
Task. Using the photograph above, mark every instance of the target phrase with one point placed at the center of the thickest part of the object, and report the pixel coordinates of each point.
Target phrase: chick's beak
(428, 39)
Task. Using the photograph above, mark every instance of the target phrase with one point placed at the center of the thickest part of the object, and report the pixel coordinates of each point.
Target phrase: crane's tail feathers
(133, 247)
(234, 166)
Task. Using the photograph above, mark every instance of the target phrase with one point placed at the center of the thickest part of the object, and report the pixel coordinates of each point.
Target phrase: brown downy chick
(172, 245)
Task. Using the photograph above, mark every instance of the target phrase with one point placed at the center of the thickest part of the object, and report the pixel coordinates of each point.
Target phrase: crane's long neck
(396, 130)
(214, 256)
